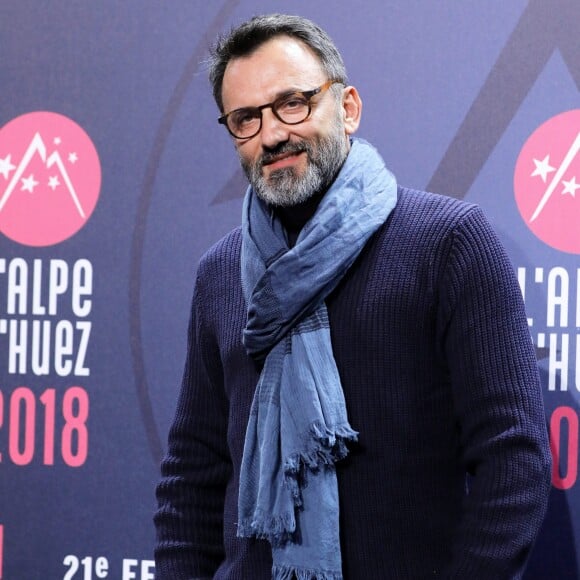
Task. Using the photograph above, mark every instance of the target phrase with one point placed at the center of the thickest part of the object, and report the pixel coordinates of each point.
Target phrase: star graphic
(73, 157)
(29, 183)
(53, 182)
(6, 167)
(57, 141)
(570, 187)
(543, 168)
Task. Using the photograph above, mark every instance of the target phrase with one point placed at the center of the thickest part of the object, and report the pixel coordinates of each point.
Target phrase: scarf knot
(298, 426)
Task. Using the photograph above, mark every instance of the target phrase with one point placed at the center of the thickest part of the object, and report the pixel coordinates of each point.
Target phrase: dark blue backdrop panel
(451, 93)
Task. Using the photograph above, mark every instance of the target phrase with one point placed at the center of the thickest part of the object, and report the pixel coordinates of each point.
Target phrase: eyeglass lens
(290, 109)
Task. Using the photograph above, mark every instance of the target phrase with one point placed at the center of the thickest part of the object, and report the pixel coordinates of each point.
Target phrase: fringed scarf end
(330, 437)
(277, 530)
(291, 572)
(325, 448)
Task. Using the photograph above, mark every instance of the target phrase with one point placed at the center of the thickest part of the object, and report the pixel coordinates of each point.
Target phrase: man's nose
(273, 130)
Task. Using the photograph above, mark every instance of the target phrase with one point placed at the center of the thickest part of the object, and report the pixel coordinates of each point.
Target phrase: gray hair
(244, 39)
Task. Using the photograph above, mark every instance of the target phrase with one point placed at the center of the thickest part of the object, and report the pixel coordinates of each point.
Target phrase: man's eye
(292, 104)
(245, 117)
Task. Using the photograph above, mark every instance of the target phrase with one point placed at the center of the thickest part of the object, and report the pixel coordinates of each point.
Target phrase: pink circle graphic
(50, 178)
(547, 182)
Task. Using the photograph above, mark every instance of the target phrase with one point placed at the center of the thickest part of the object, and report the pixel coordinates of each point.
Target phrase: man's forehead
(280, 64)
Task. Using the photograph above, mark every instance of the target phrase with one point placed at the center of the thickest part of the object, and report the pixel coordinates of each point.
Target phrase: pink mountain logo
(50, 178)
(547, 182)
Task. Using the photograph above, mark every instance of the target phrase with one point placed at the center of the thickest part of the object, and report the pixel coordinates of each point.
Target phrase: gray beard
(284, 187)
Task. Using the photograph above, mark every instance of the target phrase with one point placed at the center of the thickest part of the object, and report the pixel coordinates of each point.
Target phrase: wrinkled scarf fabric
(298, 425)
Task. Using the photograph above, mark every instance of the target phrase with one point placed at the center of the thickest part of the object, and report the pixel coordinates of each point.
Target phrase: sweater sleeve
(498, 403)
(196, 468)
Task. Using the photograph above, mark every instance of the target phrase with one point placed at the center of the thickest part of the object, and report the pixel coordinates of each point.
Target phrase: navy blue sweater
(451, 473)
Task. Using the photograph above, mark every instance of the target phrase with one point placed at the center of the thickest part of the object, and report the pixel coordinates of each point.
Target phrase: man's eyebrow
(280, 95)
(288, 92)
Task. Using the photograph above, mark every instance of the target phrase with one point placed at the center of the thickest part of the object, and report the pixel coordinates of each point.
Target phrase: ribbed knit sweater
(450, 476)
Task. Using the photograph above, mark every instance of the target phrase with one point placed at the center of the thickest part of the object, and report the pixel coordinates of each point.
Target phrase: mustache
(273, 153)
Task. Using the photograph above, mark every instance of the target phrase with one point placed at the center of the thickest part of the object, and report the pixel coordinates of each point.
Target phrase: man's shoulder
(432, 207)
(226, 247)
(422, 213)
(433, 225)
(223, 256)
(425, 225)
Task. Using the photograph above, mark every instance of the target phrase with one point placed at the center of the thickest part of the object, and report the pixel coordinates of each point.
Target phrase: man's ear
(352, 107)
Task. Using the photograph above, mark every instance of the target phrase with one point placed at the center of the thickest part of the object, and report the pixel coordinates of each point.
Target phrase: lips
(284, 157)
(275, 158)
(279, 161)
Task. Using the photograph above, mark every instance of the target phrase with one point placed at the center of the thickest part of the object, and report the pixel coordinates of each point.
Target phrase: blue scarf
(298, 424)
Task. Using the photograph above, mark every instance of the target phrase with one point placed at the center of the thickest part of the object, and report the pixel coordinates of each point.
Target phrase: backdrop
(115, 177)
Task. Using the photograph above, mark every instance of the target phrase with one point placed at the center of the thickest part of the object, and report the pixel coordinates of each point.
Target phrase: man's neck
(293, 218)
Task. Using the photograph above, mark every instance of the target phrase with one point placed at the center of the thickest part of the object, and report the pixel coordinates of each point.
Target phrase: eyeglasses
(291, 108)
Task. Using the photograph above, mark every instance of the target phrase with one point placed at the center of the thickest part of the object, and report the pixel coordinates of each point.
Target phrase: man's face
(286, 164)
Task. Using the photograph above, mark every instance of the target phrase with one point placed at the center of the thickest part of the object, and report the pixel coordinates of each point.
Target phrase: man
(360, 398)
